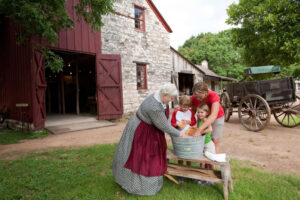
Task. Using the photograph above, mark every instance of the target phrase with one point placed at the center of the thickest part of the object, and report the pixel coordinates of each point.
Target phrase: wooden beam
(59, 97)
(49, 98)
(77, 91)
(62, 93)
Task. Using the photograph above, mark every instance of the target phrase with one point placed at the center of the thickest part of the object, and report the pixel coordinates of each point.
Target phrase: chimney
(204, 64)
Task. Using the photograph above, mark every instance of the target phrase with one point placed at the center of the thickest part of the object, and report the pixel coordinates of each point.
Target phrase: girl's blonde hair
(204, 107)
(185, 100)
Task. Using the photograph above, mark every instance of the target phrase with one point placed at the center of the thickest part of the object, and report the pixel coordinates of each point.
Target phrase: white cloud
(192, 17)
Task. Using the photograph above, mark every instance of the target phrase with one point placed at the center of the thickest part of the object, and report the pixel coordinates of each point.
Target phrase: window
(139, 18)
(141, 78)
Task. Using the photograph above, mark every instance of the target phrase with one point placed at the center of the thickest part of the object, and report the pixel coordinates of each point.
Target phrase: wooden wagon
(257, 100)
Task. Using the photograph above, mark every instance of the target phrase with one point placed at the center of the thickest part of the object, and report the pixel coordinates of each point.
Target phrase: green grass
(85, 174)
(14, 136)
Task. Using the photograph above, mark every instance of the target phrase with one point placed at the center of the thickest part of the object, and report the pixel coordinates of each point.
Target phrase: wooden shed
(89, 78)
(185, 74)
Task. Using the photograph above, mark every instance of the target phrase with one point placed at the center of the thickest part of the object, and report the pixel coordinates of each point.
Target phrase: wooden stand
(205, 170)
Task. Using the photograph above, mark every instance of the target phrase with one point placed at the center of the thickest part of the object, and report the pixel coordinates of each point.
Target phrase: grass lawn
(9, 136)
(85, 174)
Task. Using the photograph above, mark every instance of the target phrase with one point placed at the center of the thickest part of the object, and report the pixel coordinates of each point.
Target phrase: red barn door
(109, 86)
(39, 90)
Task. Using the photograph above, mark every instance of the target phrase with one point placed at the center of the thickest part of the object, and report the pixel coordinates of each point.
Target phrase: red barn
(90, 82)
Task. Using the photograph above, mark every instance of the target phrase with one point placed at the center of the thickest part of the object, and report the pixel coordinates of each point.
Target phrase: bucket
(188, 147)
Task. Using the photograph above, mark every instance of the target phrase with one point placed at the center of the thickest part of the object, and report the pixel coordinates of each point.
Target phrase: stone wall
(151, 47)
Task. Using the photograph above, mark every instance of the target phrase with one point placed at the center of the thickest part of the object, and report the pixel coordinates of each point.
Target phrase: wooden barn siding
(16, 83)
(181, 65)
(81, 38)
(16, 78)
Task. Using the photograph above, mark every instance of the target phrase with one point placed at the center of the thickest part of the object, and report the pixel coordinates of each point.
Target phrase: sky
(192, 17)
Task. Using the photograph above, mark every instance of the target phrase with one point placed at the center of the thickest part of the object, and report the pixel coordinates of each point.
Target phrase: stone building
(140, 35)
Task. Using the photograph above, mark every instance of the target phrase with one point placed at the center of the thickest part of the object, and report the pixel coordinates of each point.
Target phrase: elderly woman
(140, 159)
(201, 94)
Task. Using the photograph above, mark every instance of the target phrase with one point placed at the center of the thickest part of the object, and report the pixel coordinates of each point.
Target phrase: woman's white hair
(168, 89)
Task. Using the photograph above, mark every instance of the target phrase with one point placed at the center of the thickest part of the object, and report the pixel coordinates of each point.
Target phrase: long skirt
(128, 168)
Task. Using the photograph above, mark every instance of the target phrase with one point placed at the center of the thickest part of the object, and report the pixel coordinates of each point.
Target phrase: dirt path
(274, 149)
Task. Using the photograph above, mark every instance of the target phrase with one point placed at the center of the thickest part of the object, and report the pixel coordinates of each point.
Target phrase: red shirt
(178, 115)
(211, 98)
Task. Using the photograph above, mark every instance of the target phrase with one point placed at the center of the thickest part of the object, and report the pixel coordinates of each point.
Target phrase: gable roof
(196, 67)
(159, 16)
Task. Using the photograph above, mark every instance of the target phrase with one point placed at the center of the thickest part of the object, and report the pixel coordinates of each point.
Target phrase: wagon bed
(256, 101)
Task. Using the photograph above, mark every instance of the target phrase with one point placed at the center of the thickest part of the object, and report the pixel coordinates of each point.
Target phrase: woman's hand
(198, 132)
(183, 135)
(187, 122)
(183, 131)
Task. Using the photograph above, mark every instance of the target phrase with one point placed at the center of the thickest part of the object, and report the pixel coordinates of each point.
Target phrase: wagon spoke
(251, 105)
(293, 119)
(260, 121)
(247, 105)
(255, 124)
(284, 117)
(255, 103)
(250, 123)
(280, 114)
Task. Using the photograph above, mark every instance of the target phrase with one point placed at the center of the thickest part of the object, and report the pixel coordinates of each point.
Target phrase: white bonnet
(168, 89)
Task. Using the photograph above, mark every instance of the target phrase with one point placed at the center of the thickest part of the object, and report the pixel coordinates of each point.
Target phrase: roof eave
(159, 16)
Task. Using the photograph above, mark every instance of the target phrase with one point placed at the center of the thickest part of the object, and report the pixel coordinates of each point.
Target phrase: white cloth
(221, 157)
(210, 147)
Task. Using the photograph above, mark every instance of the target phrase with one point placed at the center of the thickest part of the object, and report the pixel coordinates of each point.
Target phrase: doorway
(73, 90)
(186, 82)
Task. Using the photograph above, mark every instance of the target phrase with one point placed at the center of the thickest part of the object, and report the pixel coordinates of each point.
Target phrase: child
(183, 116)
(203, 112)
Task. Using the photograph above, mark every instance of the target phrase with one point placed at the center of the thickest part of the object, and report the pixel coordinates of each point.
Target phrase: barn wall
(15, 76)
(80, 39)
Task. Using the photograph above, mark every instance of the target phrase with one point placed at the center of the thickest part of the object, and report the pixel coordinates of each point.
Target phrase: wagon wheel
(225, 102)
(254, 112)
(289, 114)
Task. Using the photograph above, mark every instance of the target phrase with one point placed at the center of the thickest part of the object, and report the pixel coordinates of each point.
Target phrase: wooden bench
(204, 171)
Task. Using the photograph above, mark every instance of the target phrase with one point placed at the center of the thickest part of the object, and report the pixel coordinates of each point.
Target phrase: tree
(269, 32)
(222, 56)
(46, 18)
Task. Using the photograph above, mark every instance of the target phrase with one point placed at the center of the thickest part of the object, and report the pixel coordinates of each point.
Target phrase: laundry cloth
(221, 157)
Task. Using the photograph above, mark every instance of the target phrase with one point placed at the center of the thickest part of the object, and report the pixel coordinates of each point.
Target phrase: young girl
(183, 116)
(203, 112)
